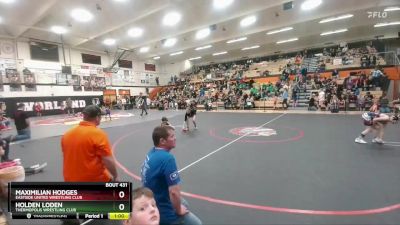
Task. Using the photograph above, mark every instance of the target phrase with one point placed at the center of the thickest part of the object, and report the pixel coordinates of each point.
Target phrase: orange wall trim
(391, 72)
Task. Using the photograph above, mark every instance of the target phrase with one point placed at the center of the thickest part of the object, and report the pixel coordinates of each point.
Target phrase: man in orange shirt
(87, 151)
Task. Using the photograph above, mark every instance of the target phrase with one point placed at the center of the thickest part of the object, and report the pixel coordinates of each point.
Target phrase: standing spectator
(38, 109)
(285, 96)
(335, 73)
(68, 107)
(372, 60)
(21, 123)
(143, 103)
(87, 152)
(160, 174)
(295, 96)
(376, 77)
(123, 102)
(157, 81)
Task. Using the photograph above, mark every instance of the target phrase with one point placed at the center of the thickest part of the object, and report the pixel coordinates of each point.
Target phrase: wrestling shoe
(360, 140)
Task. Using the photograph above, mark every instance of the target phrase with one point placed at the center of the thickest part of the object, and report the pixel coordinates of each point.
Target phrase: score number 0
(121, 194)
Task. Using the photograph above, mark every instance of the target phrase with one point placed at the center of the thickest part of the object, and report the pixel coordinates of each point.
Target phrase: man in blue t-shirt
(160, 174)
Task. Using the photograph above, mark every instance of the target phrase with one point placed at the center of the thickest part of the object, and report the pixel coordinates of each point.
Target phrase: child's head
(144, 208)
(164, 119)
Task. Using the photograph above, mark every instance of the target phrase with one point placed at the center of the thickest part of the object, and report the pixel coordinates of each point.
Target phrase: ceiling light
(58, 29)
(144, 49)
(120, 0)
(394, 8)
(135, 32)
(280, 30)
(387, 24)
(156, 57)
(203, 33)
(288, 40)
(7, 1)
(171, 19)
(219, 53)
(220, 4)
(170, 42)
(310, 4)
(248, 21)
(252, 47)
(199, 57)
(176, 53)
(203, 47)
(334, 32)
(81, 15)
(336, 18)
(109, 41)
(236, 40)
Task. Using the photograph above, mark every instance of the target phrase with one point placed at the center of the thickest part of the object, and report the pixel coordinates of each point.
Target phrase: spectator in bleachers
(321, 99)
(295, 97)
(372, 60)
(285, 96)
(376, 77)
(312, 106)
(368, 98)
(335, 74)
(334, 104)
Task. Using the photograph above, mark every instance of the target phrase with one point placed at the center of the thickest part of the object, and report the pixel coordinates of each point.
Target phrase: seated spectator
(4, 122)
(312, 106)
(364, 61)
(368, 100)
(321, 99)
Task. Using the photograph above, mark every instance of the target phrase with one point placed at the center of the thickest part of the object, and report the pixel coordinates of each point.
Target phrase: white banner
(337, 61)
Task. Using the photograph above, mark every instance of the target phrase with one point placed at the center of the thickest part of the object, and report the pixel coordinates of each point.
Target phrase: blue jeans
(384, 110)
(23, 134)
(188, 218)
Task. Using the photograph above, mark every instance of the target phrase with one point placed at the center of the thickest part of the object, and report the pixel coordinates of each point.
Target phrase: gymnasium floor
(291, 169)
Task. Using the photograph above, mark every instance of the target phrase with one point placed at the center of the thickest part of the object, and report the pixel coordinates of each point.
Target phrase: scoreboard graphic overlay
(65, 200)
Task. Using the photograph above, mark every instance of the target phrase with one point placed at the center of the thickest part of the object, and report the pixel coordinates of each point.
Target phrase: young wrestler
(190, 113)
(164, 122)
(374, 121)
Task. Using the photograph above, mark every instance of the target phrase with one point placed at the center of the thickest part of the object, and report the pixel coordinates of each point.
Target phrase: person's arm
(109, 163)
(396, 101)
(27, 119)
(175, 196)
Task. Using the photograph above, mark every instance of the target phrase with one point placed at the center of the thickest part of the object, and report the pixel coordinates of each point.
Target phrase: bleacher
(268, 104)
(257, 69)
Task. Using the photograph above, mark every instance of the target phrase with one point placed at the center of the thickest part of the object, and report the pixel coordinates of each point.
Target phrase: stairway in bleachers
(311, 64)
(304, 96)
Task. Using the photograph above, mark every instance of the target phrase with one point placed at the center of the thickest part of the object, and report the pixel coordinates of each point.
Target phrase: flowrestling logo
(253, 131)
